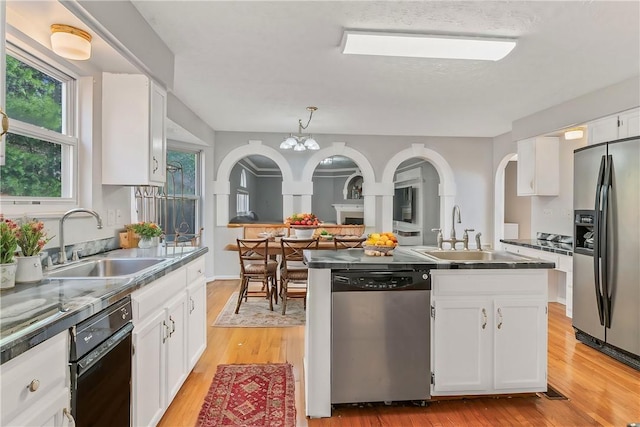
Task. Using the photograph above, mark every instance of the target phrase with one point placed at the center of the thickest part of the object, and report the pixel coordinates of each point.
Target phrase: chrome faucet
(456, 209)
(62, 258)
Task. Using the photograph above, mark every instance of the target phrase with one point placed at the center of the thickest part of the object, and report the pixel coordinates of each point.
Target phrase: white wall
(517, 209)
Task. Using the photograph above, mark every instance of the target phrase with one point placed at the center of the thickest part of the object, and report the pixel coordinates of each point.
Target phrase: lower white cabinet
(197, 319)
(35, 386)
(489, 332)
(163, 317)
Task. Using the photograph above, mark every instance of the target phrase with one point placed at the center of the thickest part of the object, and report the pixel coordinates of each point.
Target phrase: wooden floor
(601, 391)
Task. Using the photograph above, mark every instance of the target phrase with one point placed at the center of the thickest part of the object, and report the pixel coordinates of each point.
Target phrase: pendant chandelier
(301, 142)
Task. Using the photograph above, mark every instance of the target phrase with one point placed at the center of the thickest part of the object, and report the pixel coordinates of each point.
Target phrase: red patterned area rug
(257, 395)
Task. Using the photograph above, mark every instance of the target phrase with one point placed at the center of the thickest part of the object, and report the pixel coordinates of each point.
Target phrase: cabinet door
(461, 345)
(176, 345)
(48, 412)
(157, 159)
(149, 364)
(602, 130)
(520, 336)
(526, 167)
(629, 123)
(197, 337)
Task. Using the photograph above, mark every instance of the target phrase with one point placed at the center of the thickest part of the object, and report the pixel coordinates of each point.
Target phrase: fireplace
(351, 212)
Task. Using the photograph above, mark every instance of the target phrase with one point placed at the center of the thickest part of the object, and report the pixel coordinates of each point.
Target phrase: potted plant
(148, 232)
(8, 247)
(31, 237)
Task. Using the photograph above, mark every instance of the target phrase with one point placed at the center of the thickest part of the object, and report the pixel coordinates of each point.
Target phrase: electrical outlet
(119, 216)
(111, 217)
(547, 212)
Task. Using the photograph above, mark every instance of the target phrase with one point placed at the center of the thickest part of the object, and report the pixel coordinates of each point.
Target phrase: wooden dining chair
(348, 242)
(293, 269)
(256, 266)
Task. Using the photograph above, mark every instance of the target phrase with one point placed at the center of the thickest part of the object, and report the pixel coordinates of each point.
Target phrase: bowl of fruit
(380, 244)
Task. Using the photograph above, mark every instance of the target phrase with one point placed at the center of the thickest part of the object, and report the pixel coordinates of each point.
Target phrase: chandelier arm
(311, 110)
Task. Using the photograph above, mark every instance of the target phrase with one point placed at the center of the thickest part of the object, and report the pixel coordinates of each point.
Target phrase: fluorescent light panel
(426, 46)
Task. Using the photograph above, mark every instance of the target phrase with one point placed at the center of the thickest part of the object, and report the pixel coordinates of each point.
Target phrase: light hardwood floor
(601, 391)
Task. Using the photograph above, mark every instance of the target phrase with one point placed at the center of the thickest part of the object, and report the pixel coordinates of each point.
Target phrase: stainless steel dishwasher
(380, 336)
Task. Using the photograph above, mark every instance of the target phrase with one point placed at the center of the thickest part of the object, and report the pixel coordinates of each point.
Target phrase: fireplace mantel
(348, 210)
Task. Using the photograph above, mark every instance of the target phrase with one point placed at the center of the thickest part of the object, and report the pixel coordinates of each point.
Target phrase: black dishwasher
(100, 363)
(380, 336)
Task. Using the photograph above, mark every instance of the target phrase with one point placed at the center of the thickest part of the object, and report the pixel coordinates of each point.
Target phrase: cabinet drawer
(195, 269)
(43, 367)
(489, 282)
(153, 296)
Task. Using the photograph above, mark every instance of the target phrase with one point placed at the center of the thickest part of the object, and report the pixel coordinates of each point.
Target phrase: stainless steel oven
(100, 363)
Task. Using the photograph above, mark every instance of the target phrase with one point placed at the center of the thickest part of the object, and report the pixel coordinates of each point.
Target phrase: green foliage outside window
(32, 167)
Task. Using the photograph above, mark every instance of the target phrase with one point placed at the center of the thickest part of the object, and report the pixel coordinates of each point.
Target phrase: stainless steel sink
(105, 268)
(470, 256)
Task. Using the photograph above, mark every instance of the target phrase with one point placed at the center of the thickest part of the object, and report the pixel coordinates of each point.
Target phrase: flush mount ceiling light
(70, 42)
(301, 142)
(425, 46)
(573, 134)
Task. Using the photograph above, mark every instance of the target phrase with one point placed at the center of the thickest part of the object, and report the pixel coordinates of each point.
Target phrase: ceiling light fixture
(301, 142)
(70, 42)
(426, 46)
(573, 134)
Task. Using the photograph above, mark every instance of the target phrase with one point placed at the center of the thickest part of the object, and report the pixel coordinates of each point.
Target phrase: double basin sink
(483, 256)
(105, 268)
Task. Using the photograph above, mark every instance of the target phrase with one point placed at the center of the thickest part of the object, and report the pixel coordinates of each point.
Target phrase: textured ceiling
(255, 66)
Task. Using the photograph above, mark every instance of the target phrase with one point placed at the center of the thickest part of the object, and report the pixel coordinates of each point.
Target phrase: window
(181, 212)
(242, 195)
(41, 145)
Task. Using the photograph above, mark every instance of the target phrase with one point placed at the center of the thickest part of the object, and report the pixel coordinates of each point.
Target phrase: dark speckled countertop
(406, 258)
(542, 245)
(32, 313)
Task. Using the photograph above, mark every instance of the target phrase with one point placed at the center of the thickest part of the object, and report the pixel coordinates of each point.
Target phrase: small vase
(145, 242)
(29, 269)
(8, 275)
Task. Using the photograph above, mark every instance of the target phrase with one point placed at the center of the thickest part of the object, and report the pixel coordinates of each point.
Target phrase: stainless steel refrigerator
(606, 258)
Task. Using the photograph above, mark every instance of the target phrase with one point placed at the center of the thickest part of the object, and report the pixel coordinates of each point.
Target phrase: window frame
(199, 179)
(68, 138)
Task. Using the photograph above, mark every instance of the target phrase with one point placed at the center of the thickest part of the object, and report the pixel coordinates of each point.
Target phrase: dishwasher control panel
(345, 281)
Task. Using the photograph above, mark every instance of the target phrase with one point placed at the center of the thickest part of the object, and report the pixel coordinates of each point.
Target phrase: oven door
(101, 383)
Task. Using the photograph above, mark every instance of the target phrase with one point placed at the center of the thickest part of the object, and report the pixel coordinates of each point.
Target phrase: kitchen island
(485, 324)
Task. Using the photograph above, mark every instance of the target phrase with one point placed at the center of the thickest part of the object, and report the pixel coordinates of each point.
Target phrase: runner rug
(256, 395)
(255, 313)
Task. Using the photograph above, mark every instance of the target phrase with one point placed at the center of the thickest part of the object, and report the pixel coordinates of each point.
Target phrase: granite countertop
(32, 313)
(406, 258)
(542, 245)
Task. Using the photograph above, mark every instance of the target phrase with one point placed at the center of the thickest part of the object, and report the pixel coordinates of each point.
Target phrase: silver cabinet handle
(499, 318)
(193, 305)
(156, 164)
(33, 385)
(5, 122)
(67, 414)
(173, 326)
(484, 318)
(166, 330)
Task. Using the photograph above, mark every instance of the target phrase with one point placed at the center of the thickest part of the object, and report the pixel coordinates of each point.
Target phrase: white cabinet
(610, 128)
(35, 388)
(539, 167)
(167, 339)
(134, 109)
(159, 340)
(197, 312)
(489, 332)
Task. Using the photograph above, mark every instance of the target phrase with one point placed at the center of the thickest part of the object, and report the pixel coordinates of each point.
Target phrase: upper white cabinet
(133, 130)
(610, 128)
(539, 167)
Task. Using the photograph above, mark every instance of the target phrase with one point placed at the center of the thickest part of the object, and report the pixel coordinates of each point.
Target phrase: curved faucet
(63, 253)
(456, 209)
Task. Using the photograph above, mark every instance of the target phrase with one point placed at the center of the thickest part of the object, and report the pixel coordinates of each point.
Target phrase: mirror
(337, 191)
(255, 191)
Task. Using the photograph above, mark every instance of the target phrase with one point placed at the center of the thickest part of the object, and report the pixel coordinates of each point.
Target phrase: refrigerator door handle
(604, 225)
(596, 240)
